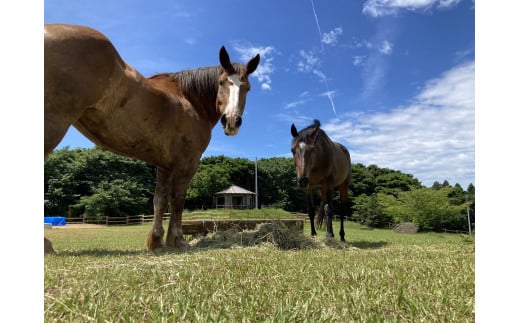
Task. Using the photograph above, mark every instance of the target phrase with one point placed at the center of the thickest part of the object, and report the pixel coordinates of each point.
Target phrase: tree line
(96, 183)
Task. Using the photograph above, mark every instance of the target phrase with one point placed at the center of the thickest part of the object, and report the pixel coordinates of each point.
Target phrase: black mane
(302, 134)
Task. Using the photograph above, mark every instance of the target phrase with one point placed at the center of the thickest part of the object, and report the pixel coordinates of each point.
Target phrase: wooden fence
(190, 226)
(112, 220)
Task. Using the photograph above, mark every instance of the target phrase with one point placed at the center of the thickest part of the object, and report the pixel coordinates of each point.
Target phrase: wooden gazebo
(234, 197)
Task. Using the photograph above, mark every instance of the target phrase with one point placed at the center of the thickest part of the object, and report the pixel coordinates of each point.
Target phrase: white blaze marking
(302, 153)
(234, 91)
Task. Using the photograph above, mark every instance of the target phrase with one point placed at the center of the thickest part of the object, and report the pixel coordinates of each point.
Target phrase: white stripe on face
(232, 110)
(302, 155)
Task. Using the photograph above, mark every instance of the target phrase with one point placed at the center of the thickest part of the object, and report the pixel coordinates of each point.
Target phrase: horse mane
(303, 133)
(202, 80)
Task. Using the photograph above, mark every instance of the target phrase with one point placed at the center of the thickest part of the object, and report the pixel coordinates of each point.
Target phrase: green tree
(371, 210)
(429, 209)
(277, 184)
(209, 179)
(115, 198)
(70, 175)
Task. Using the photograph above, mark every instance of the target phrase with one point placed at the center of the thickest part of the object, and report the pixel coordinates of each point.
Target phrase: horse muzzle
(303, 182)
(231, 125)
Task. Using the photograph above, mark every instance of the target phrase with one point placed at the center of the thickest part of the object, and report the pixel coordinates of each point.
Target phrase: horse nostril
(223, 120)
(238, 121)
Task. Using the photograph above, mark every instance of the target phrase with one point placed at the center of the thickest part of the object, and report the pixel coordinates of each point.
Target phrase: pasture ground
(105, 274)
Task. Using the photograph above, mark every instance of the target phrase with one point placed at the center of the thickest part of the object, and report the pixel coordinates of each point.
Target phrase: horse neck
(200, 87)
(325, 150)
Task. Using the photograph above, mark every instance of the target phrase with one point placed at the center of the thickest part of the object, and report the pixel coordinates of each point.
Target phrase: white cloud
(266, 68)
(432, 138)
(328, 93)
(296, 103)
(331, 38)
(308, 61)
(386, 47)
(358, 60)
(379, 8)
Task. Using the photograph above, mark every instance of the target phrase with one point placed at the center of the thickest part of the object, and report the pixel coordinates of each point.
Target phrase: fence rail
(115, 220)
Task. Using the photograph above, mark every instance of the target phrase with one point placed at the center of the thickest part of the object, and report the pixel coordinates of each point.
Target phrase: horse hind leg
(329, 211)
(160, 203)
(54, 132)
(343, 193)
(47, 246)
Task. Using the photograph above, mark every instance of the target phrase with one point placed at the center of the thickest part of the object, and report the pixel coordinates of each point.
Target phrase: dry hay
(406, 227)
(275, 234)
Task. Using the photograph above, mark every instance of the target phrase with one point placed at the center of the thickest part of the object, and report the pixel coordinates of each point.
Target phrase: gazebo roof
(233, 189)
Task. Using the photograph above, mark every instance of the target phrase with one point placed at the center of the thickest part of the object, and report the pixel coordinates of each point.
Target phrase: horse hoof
(178, 243)
(154, 242)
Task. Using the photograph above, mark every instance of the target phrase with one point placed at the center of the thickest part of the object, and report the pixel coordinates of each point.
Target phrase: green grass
(105, 274)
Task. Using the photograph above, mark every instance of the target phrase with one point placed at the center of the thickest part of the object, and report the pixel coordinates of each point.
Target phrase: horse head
(232, 90)
(303, 148)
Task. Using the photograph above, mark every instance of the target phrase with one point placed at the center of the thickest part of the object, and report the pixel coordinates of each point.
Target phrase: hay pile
(275, 234)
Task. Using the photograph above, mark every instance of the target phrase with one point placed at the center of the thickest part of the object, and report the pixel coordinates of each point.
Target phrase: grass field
(106, 274)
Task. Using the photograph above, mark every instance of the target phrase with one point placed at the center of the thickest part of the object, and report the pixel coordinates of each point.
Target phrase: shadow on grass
(310, 243)
(368, 244)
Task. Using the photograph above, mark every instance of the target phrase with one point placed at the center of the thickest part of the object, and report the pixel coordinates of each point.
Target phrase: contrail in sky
(322, 75)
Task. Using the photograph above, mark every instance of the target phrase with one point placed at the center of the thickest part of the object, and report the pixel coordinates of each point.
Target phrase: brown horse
(321, 162)
(165, 120)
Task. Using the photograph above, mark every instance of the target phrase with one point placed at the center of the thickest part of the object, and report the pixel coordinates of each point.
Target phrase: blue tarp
(55, 220)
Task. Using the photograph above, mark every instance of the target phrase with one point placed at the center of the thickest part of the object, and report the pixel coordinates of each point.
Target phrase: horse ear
(225, 62)
(294, 132)
(253, 64)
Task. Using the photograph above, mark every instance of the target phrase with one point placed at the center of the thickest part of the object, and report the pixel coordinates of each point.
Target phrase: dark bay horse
(321, 162)
(165, 120)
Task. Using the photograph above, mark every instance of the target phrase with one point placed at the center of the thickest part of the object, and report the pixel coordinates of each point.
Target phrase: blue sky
(394, 81)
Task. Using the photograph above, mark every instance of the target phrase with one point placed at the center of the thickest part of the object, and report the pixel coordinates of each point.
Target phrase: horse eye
(222, 82)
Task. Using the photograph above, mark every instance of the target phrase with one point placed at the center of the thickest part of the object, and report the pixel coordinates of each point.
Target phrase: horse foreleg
(310, 209)
(174, 236)
(330, 214)
(160, 203)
